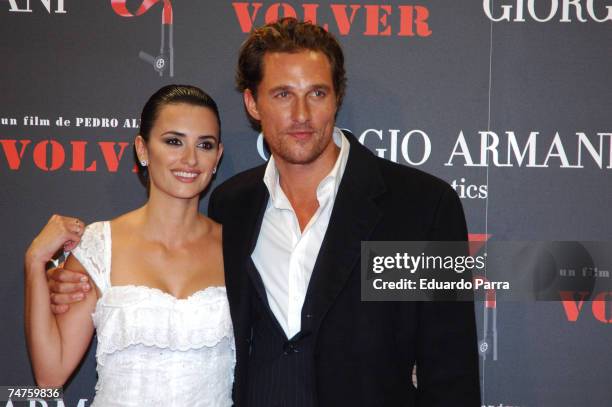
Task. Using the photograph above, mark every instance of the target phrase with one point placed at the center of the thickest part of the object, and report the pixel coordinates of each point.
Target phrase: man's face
(296, 106)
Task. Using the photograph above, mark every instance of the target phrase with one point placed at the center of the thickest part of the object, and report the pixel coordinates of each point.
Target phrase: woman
(161, 316)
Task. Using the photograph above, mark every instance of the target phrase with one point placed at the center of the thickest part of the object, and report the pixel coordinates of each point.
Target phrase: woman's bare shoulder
(126, 222)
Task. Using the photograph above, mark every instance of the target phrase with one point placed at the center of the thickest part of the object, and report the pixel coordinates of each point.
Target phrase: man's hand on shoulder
(67, 287)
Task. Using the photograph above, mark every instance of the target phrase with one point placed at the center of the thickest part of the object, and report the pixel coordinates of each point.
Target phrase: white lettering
(591, 12)
(571, 10)
(554, 5)
(597, 155)
(15, 9)
(518, 155)
(103, 122)
(609, 135)
(465, 152)
(559, 152)
(566, 13)
(507, 9)
(46, 3)
(426, 147)
(60, 403)
(380, 151)
(485, 147)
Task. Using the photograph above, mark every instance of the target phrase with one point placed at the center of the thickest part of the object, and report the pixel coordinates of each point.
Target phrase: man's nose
(301, 110)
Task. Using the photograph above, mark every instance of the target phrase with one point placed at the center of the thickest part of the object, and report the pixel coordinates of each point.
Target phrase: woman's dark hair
(171, 94)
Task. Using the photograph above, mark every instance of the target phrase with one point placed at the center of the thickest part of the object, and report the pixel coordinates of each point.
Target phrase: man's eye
(319, 93)
(282, 94)
(173, 141)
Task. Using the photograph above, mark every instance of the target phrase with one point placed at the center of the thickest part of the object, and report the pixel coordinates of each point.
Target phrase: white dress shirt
(284, 255)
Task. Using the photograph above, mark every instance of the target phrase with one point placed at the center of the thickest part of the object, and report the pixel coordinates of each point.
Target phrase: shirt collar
(271, 176)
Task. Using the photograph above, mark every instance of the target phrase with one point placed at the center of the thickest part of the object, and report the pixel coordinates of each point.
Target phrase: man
(292, 230)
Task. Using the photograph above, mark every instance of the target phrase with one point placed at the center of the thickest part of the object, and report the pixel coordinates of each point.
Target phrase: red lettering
(413, 19)
(342, 20)
(373, 19)
(599, 307)
(245, 19)
(572, 309)
(273, 12)
(111, 158)
(409, 23)
(78, 157)
(57, 155)
(10, 151)
(310, 14)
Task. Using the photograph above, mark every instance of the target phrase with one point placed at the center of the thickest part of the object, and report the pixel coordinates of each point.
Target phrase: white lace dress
(154, 349)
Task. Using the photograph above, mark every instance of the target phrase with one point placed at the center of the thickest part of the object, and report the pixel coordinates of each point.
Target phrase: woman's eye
(173, 141)
(206, 145)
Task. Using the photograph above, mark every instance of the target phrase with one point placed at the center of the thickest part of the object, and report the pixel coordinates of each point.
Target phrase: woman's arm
(56, 343)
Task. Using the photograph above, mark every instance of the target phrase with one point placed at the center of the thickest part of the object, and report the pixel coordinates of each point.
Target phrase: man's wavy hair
(291, 36)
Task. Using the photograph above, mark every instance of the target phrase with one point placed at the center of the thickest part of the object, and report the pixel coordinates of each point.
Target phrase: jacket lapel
(250, 226)
(240, 231)
(354, 217)
(239, 238)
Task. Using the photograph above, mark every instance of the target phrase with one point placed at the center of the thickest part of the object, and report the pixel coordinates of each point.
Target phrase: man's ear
(251, 104)
(141, 148)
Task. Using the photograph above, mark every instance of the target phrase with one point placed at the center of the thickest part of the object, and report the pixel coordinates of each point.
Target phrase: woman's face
(182, 151)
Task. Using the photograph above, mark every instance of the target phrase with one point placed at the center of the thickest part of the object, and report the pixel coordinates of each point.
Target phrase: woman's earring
(214, 169)
(143, 163)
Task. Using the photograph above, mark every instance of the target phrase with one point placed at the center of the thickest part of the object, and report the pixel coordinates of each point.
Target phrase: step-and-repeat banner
(509, 101)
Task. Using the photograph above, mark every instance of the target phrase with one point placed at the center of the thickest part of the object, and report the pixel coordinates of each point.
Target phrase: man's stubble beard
(301, 152)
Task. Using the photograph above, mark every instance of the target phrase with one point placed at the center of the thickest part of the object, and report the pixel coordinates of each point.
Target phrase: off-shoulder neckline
(108, 232)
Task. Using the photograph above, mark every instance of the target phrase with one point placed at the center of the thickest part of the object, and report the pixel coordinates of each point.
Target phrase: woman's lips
(186, 176)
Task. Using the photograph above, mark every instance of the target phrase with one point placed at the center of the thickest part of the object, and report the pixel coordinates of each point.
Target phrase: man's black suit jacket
(364, 351)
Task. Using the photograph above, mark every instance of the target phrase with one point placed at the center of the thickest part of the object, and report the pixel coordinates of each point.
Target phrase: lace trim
(92, 252)
(139, 315)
